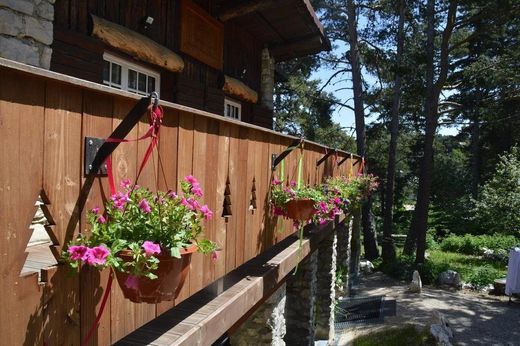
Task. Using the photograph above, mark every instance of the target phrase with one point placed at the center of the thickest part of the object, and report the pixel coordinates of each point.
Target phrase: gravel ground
(476, 319)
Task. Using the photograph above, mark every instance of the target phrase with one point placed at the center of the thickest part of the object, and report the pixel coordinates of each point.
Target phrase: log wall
(44, 118)
(79, 55)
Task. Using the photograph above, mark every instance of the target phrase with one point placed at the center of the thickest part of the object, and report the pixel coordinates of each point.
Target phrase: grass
(473, 269)
(408, 335)
(464, 264)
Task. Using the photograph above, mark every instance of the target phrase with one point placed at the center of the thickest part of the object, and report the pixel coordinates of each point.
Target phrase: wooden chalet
(212, 55)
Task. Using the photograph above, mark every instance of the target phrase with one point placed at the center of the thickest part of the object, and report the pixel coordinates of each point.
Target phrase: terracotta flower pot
(171, 274)
(300, 209)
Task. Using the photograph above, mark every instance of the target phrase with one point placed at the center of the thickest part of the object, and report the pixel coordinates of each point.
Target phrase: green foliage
(497, 208)
(483, 275)
(473, 244)
(408, 335)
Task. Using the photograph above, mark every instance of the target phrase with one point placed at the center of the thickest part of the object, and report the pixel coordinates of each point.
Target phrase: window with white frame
(232, 109)
(122, 74)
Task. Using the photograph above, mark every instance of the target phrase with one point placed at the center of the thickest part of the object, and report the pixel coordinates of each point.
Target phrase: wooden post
(267, 78)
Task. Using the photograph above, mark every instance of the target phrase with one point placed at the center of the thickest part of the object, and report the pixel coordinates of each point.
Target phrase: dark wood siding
(77, 54)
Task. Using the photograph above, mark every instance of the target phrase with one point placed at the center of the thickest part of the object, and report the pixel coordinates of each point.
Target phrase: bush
(497, 208)
(483, 276)
(472, 245)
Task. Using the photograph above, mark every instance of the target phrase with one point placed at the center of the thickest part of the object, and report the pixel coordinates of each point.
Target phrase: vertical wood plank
(199, 171)
(21, 130)
(168, 167)
(62, 183)
(222, 174)
(97, 122)
(211, 195)
(62, 156)
(124, 161)
(185, 167)
(231, 225)
(243, 190)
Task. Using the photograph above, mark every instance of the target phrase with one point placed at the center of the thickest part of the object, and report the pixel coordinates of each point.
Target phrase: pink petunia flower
(191, 179)
(276, 181)
(132, 282)
(125, 183)
(208, 214)
(186, 203)
(323, 207)
(97, 255)
(172, 194)
(120, 199)
(215, 255)
(95, 210)
(151, 248)
(144, 206)
(78, 252)
(196, 191)
(292, 183)
(101, 219)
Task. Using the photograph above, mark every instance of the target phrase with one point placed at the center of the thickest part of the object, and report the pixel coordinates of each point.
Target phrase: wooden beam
(233, 10)
(135, 44)
(304, 43)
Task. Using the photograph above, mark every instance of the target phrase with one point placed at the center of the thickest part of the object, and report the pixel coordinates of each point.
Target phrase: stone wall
(26, 31)
(325, 297)
(267, 324)
(300, 311)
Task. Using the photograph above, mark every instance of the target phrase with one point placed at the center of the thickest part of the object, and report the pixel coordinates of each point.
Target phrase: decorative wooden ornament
(252, 201)
(226, 210)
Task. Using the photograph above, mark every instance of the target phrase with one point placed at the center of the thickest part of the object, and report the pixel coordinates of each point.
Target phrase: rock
(39, 29)
(441, 331)
(416, 284)
(450, 278)
(45, 10)
(14, 49)
(23, 6)
(45, 59)
(11, 23)
(366, 267)
(499, 286)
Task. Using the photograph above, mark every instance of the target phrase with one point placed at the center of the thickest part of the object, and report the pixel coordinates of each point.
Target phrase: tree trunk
(388, 243)
(475, 161)
(419, 224)
(369, 231)
(359, 113)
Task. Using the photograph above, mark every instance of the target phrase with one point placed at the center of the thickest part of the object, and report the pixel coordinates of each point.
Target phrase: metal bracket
(343, 160)
(329, 153)
(92, 145)
(276, 159)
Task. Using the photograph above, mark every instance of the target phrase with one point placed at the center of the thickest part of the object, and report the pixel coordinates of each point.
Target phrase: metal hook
(154, 98)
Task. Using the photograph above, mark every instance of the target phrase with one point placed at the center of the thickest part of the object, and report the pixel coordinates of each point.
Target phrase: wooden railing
(44, 118)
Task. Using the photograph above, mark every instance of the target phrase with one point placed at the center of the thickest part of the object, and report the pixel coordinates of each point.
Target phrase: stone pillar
(300, 307)
(355, 244)
(267, 79)
(267, 324)
(343, 230)
(326, 294)
(26, 31)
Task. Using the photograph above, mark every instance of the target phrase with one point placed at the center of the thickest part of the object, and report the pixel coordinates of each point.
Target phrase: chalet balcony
(44, 120)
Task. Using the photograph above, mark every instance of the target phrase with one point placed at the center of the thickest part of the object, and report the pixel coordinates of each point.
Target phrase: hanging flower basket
(300, 209)
(171, 273)
(146, 238)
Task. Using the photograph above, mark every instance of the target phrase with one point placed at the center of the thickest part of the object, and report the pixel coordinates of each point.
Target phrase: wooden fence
(44, 118)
